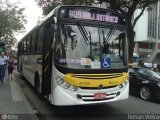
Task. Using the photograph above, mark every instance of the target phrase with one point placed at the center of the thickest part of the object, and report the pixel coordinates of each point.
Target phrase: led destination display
(92, 14)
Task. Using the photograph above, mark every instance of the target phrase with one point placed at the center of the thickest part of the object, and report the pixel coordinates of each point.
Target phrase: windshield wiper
(106, 39)
(86, 36)
(90, 43)
(84, 33)
(109, 35)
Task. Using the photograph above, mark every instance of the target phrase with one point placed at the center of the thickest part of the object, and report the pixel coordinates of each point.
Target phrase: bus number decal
(84, 83)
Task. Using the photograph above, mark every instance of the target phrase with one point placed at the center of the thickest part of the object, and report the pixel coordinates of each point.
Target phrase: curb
(26, 102)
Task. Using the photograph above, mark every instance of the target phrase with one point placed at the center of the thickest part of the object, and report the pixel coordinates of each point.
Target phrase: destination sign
(91, 14)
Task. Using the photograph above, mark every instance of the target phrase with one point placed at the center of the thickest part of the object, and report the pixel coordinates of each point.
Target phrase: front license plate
(100, 96)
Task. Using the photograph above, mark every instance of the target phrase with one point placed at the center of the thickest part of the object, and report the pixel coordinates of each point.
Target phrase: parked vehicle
(144, 82)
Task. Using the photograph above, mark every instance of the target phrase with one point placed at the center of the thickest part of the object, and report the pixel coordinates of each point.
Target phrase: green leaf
(12, 20)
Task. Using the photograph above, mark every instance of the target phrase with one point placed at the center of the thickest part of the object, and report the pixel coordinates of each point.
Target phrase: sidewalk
(13, 103)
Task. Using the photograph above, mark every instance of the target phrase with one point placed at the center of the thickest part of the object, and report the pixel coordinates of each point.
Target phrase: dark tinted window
(40, 40)
(34, 39)
(25, 47)
(28, 42)
(148, 73)
(20, 48)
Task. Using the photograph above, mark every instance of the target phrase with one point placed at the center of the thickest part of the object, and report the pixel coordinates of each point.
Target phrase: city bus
(77, 55)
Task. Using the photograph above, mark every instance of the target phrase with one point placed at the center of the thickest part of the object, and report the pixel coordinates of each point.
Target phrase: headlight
(60, 81)
(74, 88)
(65, 85)
(123, 84)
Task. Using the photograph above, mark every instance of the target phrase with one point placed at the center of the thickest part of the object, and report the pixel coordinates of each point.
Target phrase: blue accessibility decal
(105, 62)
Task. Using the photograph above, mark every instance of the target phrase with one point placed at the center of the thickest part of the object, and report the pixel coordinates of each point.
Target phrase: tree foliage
(12, 21)
(48, 5)
(126, 7)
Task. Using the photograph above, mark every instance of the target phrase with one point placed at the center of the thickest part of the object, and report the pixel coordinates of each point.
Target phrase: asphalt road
(132, 108)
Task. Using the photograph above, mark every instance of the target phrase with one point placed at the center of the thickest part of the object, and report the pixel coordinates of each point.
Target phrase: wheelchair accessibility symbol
(106, 62)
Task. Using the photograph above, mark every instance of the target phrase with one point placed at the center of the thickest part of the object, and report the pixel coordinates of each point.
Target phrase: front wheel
(145, 93)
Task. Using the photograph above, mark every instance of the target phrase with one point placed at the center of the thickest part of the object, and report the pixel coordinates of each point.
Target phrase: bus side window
(25, 47)
(33, 43)
(28, 43)
(40, 40)
(21, 48)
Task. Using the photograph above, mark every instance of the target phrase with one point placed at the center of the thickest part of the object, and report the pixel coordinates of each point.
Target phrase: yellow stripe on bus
(85, 81)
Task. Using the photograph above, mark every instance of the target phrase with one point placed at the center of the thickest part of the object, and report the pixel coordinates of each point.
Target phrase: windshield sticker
(106, 62)
(96, 62)
(96, 58)
(85, 61)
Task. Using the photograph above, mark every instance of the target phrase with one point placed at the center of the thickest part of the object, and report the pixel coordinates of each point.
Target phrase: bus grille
(97, 76)
(97, 88)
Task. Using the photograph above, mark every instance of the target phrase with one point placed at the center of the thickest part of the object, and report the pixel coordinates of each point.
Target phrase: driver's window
(112, 46)
(70, 37)
(73, 41)
(116, 45)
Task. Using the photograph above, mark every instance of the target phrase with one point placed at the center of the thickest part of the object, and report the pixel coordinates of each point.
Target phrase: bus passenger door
(47, 61)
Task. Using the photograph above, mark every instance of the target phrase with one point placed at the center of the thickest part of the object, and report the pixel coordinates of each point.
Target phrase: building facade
(147, 37)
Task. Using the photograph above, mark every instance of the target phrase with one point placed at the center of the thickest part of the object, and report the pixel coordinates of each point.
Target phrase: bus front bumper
(64, 97)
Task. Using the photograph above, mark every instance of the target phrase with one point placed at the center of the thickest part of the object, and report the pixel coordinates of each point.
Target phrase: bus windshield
(89, 47)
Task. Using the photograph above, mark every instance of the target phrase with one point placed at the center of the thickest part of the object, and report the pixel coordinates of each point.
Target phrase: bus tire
(37, 82)
(37, 85)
